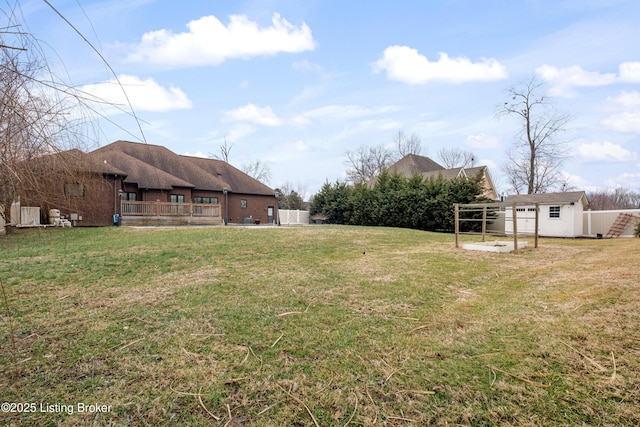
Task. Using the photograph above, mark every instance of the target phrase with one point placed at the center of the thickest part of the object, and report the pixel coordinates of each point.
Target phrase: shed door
(527, 220)
(270, 215)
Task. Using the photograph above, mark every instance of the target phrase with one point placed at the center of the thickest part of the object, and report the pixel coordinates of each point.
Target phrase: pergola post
(456, 209)
(514, 213)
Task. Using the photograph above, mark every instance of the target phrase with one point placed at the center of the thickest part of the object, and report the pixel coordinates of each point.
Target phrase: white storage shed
(561, 214)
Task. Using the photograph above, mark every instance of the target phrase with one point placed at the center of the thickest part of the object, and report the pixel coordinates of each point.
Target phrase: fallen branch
(278, 340)
(533, 383)
(409, 420)
(315, 422)
(613, 375)
(415, 392)
(590, 360)
(419, 328)
(199, 396)
(267, 408)
(127, 345)
(355, 409)
(293, 312)
(205, 408)
(230, 417)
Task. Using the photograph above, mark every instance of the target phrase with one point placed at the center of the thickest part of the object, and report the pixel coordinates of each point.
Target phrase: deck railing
(169, 209)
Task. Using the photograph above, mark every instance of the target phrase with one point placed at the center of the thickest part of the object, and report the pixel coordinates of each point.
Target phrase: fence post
(535, 239)
(514, 213)
(484, 223)
(457, 221)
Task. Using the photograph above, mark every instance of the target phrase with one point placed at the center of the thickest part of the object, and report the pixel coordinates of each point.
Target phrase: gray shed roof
(549, 198)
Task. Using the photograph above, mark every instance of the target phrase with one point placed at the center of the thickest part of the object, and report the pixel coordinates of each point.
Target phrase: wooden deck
(163, 213)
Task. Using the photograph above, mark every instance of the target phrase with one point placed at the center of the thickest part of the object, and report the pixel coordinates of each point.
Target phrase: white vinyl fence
(594, 223)
(599, 222)
(293, 217)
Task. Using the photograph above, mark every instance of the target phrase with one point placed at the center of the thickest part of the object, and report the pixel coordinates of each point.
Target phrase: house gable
(412, 164)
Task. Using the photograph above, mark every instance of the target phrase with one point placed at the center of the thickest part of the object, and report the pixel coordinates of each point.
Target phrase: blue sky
(297, 84)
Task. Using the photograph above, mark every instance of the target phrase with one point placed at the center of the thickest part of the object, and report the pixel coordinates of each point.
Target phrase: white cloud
(209, 42)
(627, 99)
(196, 154)
(405, 64)
(263, 116)
(575, 76)
(252, 113)
(605, 151)
(348, 111)
(483, 140)
(144, 95)
(630, 72)
(564, 79)
(624, 122)
(297, 146)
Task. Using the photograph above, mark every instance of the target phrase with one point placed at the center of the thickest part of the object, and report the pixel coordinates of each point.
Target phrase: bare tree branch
(456, 158)
(366, 163)
(537, 156)
(258, 170)
(225, 151)
(406, 145)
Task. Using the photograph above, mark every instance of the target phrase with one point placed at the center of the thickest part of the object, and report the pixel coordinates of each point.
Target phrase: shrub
(396, 201)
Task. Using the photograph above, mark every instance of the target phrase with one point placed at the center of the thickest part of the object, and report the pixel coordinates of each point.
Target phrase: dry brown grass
(321, 326)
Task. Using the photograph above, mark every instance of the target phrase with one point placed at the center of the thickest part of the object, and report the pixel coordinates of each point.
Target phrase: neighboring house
(560, 214)
(156, 174)
(412, 164)
(83, 190)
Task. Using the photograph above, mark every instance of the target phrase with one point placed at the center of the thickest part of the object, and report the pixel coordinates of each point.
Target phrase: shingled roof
(548, 198)
(140, 173)
(79, 161)
(234, 179)
(412, 164)
(156, 167)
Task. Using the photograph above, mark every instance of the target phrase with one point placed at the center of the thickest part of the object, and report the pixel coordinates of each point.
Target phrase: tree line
(394, 200)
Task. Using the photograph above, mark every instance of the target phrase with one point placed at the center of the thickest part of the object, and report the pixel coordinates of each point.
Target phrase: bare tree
(258, 170)
(289, 198)
(225, 151)
(536, 158)
(366, 163)
(34, 123)
(619, 198)
(405, 145)
(456, 158)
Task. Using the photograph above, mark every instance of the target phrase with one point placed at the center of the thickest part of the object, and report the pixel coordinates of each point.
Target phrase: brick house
(156, 174)
(83, 190)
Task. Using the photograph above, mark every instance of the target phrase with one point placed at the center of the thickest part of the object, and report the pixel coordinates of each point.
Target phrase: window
(554, 211)
(74, 190)
(177, 198)
(129, 197)
(206, 200)
(243, 203)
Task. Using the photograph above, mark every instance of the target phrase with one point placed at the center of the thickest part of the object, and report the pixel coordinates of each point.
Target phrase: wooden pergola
(485, 208)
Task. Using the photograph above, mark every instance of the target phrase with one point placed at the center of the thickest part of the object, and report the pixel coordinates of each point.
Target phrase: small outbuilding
(560, 215)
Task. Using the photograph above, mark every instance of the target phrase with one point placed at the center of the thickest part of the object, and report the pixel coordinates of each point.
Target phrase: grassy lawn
(322, 325)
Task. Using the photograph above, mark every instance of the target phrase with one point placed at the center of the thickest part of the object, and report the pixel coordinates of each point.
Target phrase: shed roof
(559, 198)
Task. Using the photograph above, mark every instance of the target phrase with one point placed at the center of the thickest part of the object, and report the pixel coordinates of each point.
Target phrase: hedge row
(397, 201)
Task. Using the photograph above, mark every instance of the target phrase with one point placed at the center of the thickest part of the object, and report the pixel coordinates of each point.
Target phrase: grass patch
(323, 325)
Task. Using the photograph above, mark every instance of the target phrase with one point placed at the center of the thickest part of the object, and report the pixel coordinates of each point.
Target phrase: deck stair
(619, 225)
